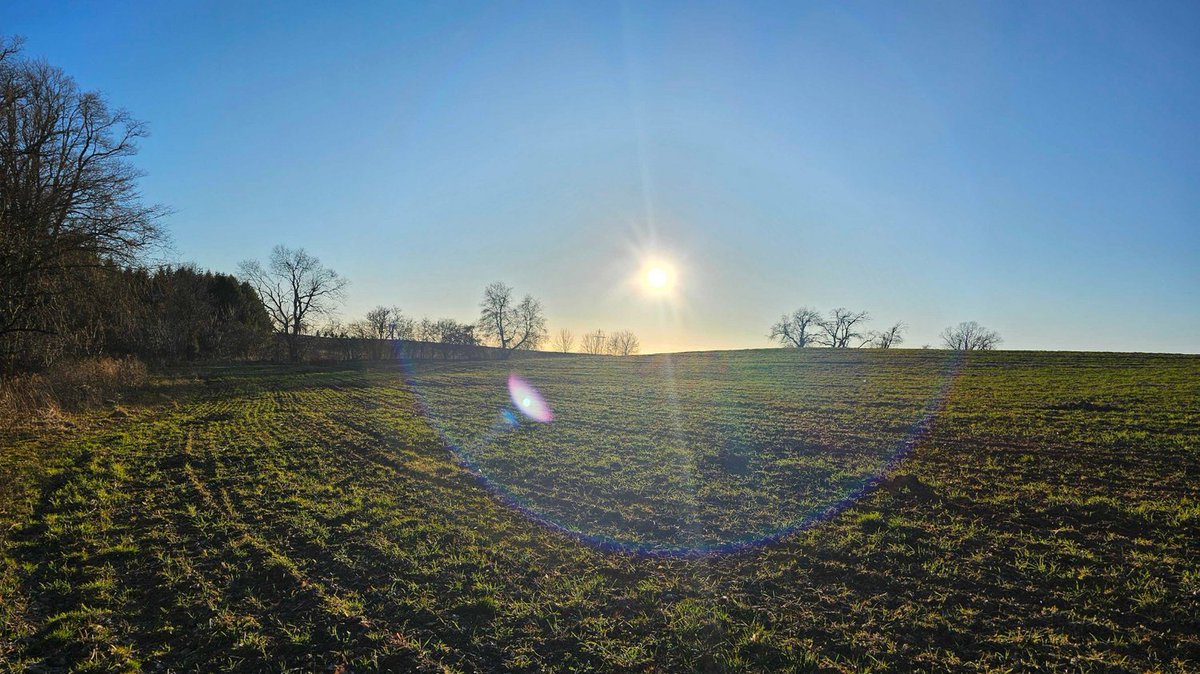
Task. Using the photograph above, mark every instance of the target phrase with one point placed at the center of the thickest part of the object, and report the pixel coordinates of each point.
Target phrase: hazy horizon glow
(1031, 166)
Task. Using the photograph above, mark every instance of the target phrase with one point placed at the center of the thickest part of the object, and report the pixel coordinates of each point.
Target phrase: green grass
(686, 453)
(272, 518)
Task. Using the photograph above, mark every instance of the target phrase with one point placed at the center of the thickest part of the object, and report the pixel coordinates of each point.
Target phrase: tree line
(301, 295)
(843, 328)
(76, 238)
(597, 343)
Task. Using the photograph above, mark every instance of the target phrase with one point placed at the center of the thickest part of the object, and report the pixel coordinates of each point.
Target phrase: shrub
(70, 385)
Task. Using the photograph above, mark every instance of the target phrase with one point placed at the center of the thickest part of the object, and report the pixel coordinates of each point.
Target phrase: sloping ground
(272, 519)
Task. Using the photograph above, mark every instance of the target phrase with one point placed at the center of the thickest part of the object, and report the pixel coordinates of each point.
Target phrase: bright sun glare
(658, 277)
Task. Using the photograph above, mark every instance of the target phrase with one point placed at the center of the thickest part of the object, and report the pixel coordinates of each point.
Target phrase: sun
(658, 277)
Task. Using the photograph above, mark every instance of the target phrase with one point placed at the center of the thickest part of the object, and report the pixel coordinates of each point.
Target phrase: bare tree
(797, 329)
(594, 343)
(378, 319)
(426, 331)
(295, 288)
(623, 343)
(386, 323)
(564, 340)
(399, 326)
(512, 326)
(450, 331)
(886, 339)
(361, 330)
(68, 196)
(840, 328)
(497, 313)
(446, 337)
(531, 324)
(970, 336)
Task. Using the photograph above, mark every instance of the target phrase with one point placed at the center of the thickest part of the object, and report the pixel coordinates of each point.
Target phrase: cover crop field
(807, 510)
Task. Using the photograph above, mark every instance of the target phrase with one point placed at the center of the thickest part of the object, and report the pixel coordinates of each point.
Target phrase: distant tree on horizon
(450, 331)
(623, 343)
(564, 340)
(361, 330)
(594, 343)
(399, 326)
(796, 330)
(389, 323)
(295, 288)
(377, 320)
(970, 336)
(511, 325)
(425, 330)
(886, 339)
(840, 328)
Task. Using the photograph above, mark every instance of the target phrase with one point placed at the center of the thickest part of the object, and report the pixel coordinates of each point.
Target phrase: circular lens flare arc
(472, 443)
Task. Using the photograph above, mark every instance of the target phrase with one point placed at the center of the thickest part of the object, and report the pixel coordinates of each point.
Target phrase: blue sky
(1031, 166)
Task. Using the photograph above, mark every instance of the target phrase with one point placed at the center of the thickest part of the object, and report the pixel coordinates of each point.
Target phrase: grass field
(271, 518)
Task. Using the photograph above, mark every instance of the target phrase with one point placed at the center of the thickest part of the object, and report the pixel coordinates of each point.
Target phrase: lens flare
(684, 454)
(528, 400)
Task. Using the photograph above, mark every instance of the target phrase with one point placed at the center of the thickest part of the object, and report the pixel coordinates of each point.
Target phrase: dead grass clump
(89, 382)
(70, 385)
(24, 395)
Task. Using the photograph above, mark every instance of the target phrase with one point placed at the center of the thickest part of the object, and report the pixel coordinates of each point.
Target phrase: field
(698, 512)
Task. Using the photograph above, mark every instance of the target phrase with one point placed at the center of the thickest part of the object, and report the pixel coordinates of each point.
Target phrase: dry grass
(68, 386)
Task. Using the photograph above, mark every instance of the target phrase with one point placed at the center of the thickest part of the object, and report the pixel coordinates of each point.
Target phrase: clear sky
(1032, 166)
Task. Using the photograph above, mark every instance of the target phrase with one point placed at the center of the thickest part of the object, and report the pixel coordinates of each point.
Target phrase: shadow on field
(121, 567)
(301, 527)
